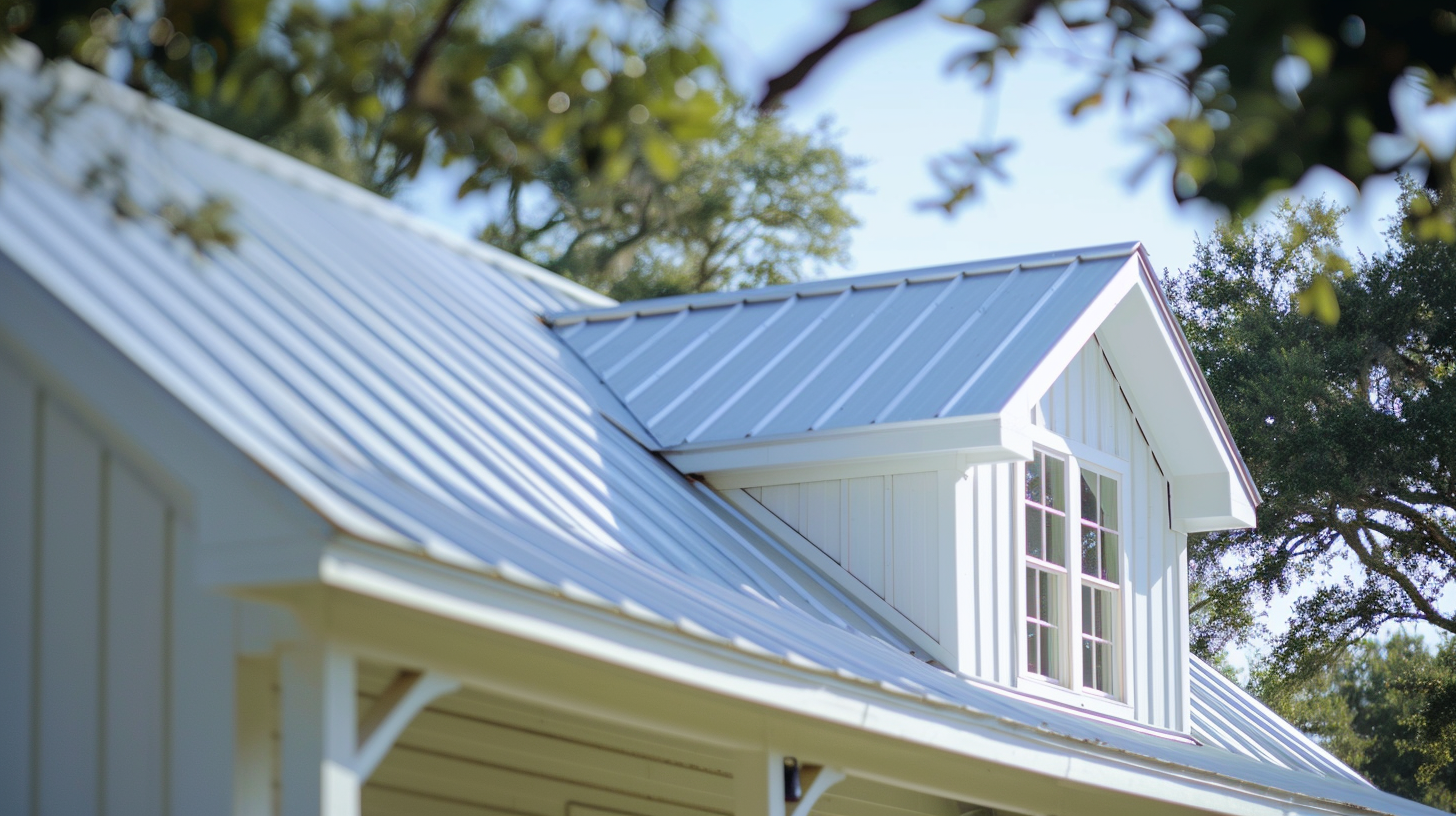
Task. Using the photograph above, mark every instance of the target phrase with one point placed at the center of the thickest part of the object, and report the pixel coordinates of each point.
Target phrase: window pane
(1056, 478)
(1089, 496)
(1031, 586)
(1086, 610)
(1034, 533)
(1089, 672)
(1109, 503)
(1033, 479)
(1048, 654)
(1033, 648)
(1089, 550)
(1110, 557)
(1056, 537)
(1102, 676)
(1045, 596)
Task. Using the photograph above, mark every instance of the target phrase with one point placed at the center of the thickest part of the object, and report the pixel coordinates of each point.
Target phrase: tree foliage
(622, 159)
(1270, 89)
(1348, 428)
(745, 209)
(1385, 709)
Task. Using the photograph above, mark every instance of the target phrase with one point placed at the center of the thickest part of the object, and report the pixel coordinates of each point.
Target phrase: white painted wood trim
(824, 779)
(395, 709)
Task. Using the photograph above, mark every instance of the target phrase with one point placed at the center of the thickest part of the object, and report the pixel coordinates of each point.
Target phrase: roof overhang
(1212, 488)
(802, 457)
(511, 636)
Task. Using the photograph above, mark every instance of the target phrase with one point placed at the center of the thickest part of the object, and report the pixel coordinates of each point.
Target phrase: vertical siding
(867, 531)
(68, 734)
(819, 516)
(136, 537)
(18, 402)
(85, 626)
(1086, 405)
(988, 500)
(915, 525)
(885, 530)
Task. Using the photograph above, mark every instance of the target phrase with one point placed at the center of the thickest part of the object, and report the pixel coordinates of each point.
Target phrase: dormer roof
(905, 363)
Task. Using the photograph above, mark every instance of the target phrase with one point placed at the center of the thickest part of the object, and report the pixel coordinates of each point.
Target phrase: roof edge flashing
(830, 286)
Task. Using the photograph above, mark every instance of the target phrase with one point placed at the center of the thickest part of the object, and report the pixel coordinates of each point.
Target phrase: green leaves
(1336, 378)
(1386, 709)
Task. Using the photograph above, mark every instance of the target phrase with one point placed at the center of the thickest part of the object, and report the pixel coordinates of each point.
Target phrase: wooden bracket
(816, 779)
(406, 696)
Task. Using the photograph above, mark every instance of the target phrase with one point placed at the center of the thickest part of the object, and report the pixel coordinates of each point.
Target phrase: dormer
(1002, 459)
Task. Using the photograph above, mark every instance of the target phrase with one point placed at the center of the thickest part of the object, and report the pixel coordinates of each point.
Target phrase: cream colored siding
(113, 680)
(1086, 405)
(885, 530)
(472, 753)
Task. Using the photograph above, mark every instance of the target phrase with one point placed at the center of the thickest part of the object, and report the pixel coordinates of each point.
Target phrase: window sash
(1057, 526)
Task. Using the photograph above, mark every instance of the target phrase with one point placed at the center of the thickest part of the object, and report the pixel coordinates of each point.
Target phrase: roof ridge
(831, 286)
(288, 169)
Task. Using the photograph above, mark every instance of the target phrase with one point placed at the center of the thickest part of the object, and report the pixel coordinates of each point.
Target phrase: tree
(1349, 429)
(623, 160)
(1268, 90)
(744, 209)
(1385, 710)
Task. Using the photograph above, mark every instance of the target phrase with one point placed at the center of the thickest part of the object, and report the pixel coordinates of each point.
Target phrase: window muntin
(1099, 580)
(1045, 545)
(1061, 582)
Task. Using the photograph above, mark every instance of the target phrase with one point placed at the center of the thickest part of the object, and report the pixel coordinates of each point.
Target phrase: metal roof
(1233, 719)
(847, 352)
(402, 379)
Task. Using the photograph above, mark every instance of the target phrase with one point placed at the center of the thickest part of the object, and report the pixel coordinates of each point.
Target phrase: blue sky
(898, 106)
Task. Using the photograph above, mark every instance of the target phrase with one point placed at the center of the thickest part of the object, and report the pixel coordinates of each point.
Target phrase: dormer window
(1056, 573)
(1100, 587)
(1046, 571)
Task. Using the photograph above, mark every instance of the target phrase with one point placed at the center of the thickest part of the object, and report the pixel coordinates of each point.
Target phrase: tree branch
(856, 22)
(426, 53)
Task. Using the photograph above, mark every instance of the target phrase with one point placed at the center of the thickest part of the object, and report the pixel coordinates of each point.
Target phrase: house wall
(885, 530)
(115, 670)
(914, 538)
(1087, 407)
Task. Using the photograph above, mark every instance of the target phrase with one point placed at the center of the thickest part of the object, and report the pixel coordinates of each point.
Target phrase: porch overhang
(523, 641)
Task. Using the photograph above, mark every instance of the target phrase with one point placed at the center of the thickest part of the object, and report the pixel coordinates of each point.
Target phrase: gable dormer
(1001, 459)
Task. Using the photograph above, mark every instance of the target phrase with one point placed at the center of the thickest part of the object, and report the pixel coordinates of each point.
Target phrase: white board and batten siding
(943, 546)
(1087, 407)
(884, 530)
(113, 666)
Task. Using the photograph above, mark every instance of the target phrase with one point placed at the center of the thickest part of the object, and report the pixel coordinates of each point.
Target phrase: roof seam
(301, 175)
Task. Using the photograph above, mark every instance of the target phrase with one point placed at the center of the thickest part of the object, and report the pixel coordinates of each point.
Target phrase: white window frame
(1067, 687)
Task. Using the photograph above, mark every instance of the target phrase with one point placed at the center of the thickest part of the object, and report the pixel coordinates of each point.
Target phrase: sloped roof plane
(743, 386)
(401, 381)
(944, 342)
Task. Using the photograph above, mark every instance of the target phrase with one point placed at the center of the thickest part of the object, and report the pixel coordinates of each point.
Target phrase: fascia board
(1194, 374)
(231, 501)
(867, 715)
(1070, 344)
(1138, 328)
(981, 435)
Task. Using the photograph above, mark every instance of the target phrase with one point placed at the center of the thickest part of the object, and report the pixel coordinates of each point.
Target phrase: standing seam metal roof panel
(795, 359)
